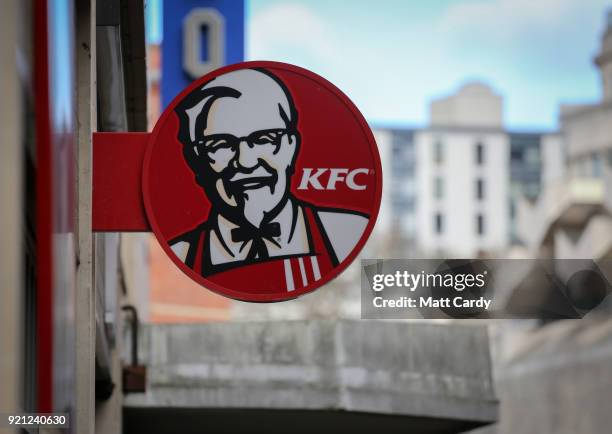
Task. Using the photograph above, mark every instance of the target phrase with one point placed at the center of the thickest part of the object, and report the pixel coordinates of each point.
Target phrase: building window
(439, 223)
(438, 152)
(532, 156)
(480, 224)
(480, 189)
(516, 155)
(438, 187)
(480, 153)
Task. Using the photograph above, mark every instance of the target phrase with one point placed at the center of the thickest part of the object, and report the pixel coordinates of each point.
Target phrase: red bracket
(118, 204)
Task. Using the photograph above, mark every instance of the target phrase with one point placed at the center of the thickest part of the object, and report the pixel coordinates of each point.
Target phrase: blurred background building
(571, 218)
(455, 184)
(463, 176)
(555, 376)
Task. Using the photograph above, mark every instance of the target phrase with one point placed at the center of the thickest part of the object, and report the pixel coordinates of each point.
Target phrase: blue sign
(199, 36)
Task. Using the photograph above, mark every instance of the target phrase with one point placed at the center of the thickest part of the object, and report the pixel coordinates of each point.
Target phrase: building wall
(533, 159)
(396, 227)
(588, 132)
(85, 296)
(403, 181)
(175, 298)
(553, 158)
(61, 285)
(457, 173)
(474, 105)
(515, 166)
(384, 141)
(12, 218)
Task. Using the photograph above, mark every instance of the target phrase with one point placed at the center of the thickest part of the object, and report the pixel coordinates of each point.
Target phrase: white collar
(293, 239)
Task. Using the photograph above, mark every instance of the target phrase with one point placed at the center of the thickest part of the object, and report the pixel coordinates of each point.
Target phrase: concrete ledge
(388, 368)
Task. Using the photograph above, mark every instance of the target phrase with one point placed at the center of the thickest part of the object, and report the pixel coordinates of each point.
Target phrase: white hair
(249, 83)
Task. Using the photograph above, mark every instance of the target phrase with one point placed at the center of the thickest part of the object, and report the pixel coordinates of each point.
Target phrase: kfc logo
(311, 177)
(262, 182)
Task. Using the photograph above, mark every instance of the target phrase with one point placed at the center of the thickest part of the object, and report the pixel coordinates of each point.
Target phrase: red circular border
(241, 295)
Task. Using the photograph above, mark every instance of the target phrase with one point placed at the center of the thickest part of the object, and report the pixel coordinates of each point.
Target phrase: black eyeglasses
(213, 142)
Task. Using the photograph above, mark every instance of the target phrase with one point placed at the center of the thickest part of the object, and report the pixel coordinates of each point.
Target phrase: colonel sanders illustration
(240, 138)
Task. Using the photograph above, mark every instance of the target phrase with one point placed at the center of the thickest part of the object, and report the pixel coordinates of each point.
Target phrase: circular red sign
(262, 181)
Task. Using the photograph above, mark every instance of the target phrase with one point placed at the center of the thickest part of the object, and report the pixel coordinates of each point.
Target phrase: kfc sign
(311, 177)
(261, 181)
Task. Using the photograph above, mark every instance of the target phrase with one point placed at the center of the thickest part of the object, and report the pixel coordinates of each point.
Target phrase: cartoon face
(243, 143)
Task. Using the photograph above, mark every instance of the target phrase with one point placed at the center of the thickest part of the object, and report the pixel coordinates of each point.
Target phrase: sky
(393, 57)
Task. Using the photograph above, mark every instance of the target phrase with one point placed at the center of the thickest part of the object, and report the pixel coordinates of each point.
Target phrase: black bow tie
(268, 230)
(257, 235)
